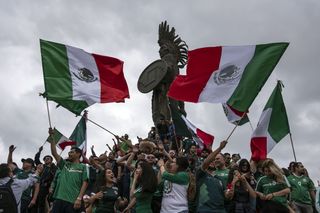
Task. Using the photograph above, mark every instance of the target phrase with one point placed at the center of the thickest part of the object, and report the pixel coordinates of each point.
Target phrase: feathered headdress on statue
(174, 43)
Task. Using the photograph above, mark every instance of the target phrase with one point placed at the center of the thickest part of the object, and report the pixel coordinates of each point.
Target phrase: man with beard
(72, 181)
(211, 192)
(302, 189)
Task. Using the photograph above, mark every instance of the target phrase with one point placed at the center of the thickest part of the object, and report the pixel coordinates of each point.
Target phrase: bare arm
(123, 158)
(165, 153)
(131, 157)
(312, 195)
(77, 203)
(213, 155)
(53, 146)
(131, 204)
(252, 193)
(11, 150)
(35, 195)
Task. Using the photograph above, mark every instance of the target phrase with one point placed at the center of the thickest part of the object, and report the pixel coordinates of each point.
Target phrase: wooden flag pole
(294, 153)
(237, 124)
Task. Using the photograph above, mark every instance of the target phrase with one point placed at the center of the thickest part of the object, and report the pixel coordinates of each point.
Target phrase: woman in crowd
(143, 186)
(274, 185)
(241, 184)
(104, 200)
(176, 183)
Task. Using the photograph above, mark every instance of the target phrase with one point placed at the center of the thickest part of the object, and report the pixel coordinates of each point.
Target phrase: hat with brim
(146, 146)
(28, 160)
(48, 156)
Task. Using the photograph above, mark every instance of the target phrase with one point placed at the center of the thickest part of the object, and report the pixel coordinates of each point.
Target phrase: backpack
(8, 202)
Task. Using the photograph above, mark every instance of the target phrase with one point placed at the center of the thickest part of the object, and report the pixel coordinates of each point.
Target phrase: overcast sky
(128, 30)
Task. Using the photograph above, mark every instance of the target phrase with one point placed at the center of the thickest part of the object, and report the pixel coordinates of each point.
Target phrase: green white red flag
(79, 135)
(272, 127)
(76, 79)
(61, 141)
(227, 74)
(184, 127)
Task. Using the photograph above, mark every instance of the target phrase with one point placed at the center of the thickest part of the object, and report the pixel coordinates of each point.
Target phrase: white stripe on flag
(82, 90)
(238, 56)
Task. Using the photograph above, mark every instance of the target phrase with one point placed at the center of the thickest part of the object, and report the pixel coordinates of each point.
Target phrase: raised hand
(12, 148)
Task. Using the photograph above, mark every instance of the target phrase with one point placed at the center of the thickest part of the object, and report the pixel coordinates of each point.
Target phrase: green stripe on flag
(57, 79)
(56, 73)
(180, 126)
(255, 75)
(55, 137)
(279, 124)
(79, 133)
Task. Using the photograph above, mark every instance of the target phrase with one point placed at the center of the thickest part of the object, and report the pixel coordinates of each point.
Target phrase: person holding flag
(72, 181)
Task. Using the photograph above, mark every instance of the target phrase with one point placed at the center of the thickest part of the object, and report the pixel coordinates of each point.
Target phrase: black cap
(49, 156)
(28, 160)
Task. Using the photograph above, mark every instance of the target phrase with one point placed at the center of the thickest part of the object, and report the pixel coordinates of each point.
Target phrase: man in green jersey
(221, 169)
(302, 189)
(211, 192)
(72, 181)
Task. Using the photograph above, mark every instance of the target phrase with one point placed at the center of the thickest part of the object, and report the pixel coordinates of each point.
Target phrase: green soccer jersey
(106, 203)
(223, 175)
(143, 199)
(267, 185)
(300, 188)
(210, 193)
(70, 180)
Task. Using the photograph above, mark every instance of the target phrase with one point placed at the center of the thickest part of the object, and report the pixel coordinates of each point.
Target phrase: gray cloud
(128, 30)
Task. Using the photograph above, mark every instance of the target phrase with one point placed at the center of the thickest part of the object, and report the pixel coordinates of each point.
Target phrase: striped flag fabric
(61, 141)
(76, 79)
(183, 127)
(234, 116)
(79, 135)
(227, 74)
(273, 125)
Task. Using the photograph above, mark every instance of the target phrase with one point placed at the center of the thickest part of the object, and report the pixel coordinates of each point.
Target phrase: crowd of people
(162, 173)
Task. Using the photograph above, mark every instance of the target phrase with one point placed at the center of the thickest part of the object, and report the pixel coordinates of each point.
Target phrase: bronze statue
(159, 75)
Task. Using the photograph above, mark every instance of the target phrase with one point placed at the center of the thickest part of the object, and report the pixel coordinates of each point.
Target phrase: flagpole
(48, 113)
(250, 124)
(237, 124)
(85, 139)
(294, 153)
(61, 152)
(49, 119)
(101, 127)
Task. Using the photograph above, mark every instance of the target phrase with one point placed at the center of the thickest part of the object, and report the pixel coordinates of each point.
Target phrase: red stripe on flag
(64, 144)
(201, 64)
(205, 137)
(258, 147)
(114, 87)
(238, 113)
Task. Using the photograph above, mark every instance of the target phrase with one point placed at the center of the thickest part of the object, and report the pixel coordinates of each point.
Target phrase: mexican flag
(61, 141)
(272, 127)
(234, 116)
(76, 79)
(183, 127)
(227, 74)
(79, 135)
